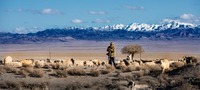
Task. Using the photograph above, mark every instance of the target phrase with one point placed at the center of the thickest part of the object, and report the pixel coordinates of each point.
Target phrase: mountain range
(134, 31)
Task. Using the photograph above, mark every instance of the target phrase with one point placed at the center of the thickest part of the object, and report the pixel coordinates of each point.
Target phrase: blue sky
(25, 16)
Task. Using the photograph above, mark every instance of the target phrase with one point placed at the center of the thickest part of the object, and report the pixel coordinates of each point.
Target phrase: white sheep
(14, 64)
(164, 64)
(68, 63)
(40, 63)
(7, 59)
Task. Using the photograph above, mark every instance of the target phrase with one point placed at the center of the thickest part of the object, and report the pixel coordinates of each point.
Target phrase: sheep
(96, 62)
(135, 64)
(177, 64)
(164, 64)
(14, 64)
(190, 59)
(40, 63)
(79, 63)
(88, 63)
(69, 62)
(27, 62)
(7, 59)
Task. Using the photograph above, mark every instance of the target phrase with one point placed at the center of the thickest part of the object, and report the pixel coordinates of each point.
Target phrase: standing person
(111, 54)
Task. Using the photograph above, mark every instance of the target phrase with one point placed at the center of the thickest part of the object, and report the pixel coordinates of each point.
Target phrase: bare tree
(132, 50)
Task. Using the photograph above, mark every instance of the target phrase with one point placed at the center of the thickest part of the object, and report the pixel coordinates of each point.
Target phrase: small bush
(109, 67)
(2, 70)
(154, 82)
(60, 73)
(9, 69)
(76, 71)
(10, 85)
(23, 73)
(105, 71)
(27, 69)
(37, 73)
(95, 73)
(36, 85)
(74, 86)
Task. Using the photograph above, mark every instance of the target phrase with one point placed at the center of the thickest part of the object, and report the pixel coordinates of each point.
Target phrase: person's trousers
(112, 61)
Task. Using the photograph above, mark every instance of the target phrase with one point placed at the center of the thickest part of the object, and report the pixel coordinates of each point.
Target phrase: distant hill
(169, 31)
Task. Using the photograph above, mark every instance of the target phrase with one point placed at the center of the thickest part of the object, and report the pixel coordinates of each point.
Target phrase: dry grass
(76, 72)
(78, 85)
(27, 69)
(74, 86)
(10, 85)
(37, 73)
(154, 82)
(60, 73)
(107, 71)
(2, 70)
(95, 72)
(23, 73)
(109, 67)
(9, 69)
(36, 85)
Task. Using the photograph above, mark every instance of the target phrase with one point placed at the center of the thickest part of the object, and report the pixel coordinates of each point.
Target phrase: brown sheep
(27, 62)
(190, 59)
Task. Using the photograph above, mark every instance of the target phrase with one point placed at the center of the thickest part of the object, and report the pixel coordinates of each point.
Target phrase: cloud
(49, 11)
(77, 21)
(169, 20)
(100, 21)
(187, 18)
(45, 11)
(97, 12)
(134, 7)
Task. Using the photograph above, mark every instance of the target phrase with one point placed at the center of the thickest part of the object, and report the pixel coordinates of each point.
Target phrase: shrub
(10, 85)
(37, 73)
(2, 70)
(76, 71)
(150, 81)
(23, 73)
(27, 69)
(74, 86)
(107, 71)
(36, 85)
(109, 67)
(95, 73)
(8, 69)
(60, 73)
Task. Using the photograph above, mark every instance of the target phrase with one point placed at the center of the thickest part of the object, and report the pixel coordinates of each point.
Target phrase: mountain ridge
(134, 31)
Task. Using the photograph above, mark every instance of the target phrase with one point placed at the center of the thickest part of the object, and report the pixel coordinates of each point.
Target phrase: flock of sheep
(165, 64)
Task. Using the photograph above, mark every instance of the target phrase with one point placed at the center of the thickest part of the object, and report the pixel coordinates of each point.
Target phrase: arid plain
(56, 77)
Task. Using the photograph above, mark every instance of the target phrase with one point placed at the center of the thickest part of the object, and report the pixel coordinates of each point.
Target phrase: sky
(24, 16)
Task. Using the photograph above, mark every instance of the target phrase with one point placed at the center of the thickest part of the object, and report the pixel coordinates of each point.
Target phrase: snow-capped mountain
(166, 31)
(149, 27)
